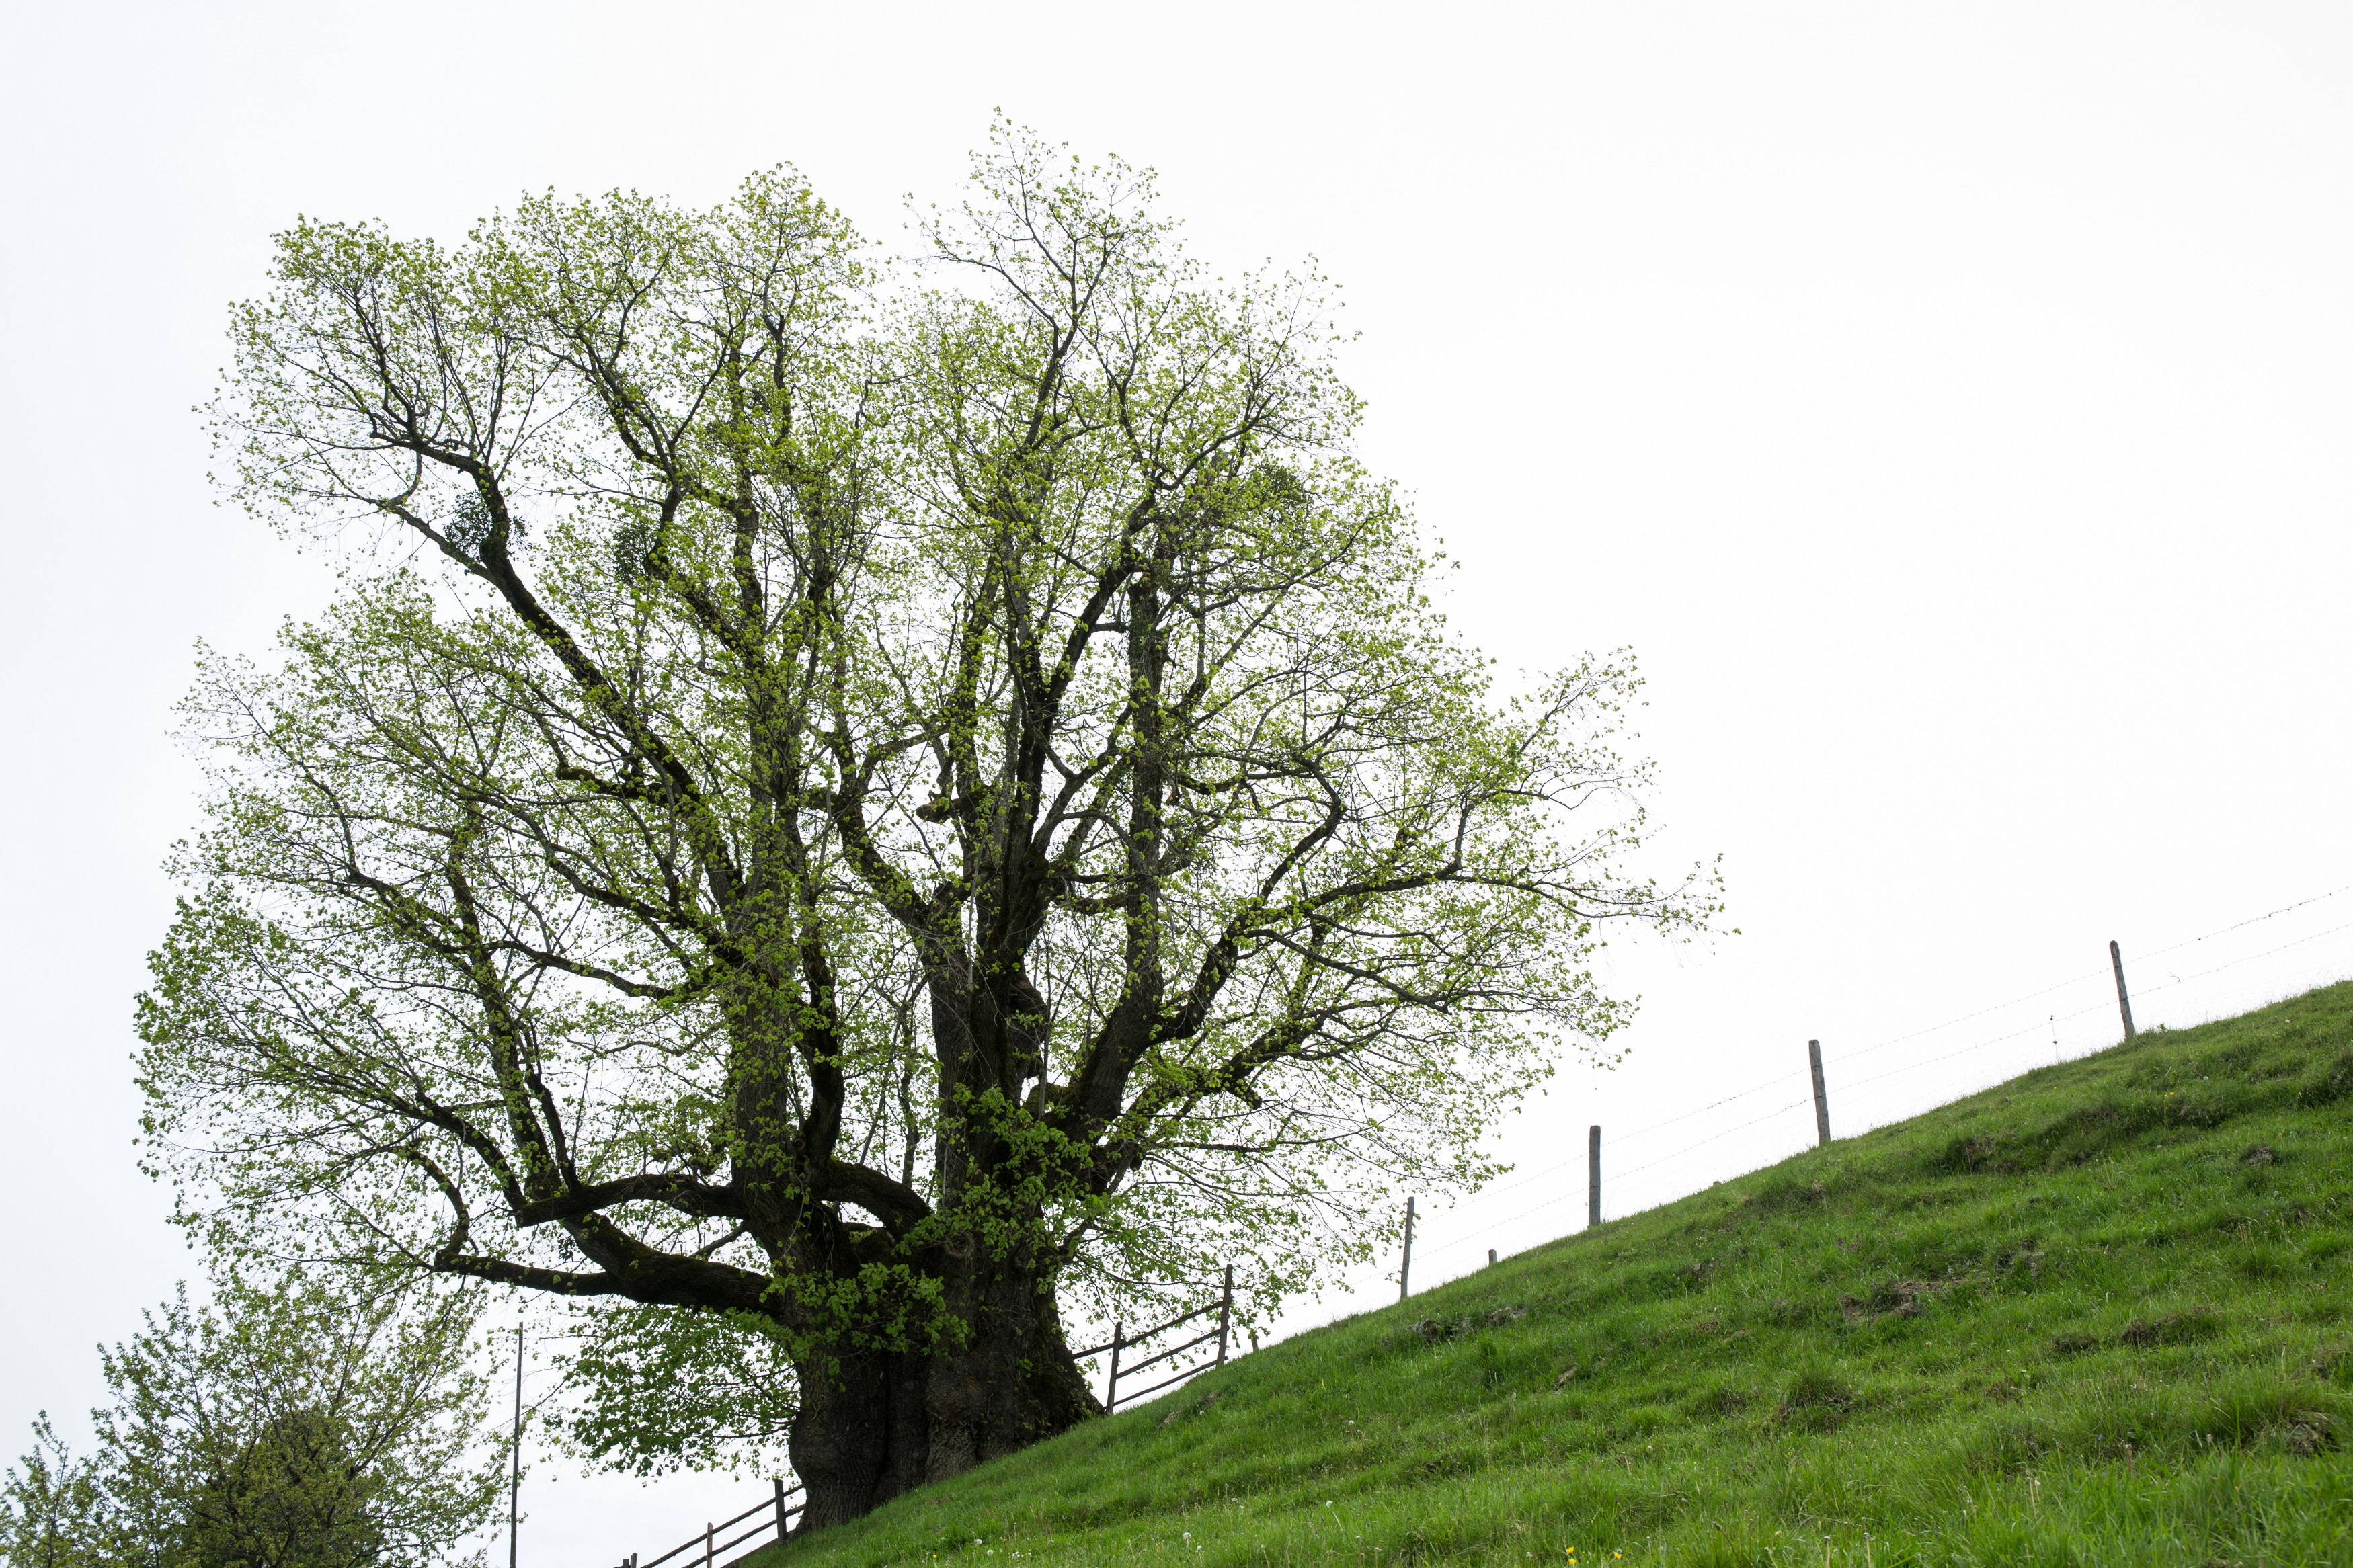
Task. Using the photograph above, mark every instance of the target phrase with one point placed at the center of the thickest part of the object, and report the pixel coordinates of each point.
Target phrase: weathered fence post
(1225, 1314)
(1821, 1095)
(2123, 998)
(1405, 1268)
(780, 1509)
(1110, 1384)
(1490, 1258)
(706, 1543)
(1593, 1177)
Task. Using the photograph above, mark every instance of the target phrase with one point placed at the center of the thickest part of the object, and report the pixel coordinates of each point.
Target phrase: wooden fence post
(1821, 1095)
(2123, 998)
(1593, 1177)
(1110, 1384)
(780, 1508)
(1225, 1314)
(1490, 1258)
(1405, 1268)
(706, 1543)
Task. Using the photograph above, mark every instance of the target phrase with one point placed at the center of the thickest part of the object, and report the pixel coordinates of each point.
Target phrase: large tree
(870, 806)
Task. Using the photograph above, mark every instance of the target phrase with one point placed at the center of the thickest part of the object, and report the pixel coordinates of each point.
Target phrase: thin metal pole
(2124, 997)
(514, 1485)
(1405, 1268)
(1821, 1095)
(1593, 1176)
(1111, 1385)
(1225, 1314)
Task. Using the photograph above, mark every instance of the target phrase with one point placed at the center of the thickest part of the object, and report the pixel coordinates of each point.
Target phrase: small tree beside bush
(287, 1427)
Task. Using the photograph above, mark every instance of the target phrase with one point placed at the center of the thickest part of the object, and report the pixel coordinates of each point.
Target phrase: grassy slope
(2079, 1317)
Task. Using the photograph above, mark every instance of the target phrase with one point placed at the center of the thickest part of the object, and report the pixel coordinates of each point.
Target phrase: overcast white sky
(1950, 402)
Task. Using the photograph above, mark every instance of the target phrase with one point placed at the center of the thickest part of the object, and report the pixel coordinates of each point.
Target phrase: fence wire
(1486, 1228)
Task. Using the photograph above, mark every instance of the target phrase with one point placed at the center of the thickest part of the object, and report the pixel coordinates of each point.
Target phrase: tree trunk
(873, 1426)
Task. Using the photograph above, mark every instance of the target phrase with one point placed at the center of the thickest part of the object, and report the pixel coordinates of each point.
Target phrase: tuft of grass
(1817, 1399)
(2101, 1314)
(2330, 1084)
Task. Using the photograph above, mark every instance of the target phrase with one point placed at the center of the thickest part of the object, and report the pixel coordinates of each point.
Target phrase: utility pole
(2124, 997)
(514, 1485)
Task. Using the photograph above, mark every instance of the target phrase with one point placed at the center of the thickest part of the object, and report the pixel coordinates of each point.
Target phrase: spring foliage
(825, 777)
(289, 1427)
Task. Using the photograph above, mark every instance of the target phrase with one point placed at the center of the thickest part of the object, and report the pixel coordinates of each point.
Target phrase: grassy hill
(2101, 1314)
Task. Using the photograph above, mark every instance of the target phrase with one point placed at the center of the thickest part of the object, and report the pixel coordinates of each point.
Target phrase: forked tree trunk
(870, 1428)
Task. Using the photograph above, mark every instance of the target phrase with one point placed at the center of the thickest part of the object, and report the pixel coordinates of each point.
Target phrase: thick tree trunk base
(872, 1427)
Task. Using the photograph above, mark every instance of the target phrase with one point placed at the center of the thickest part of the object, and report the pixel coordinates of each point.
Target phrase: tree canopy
(867, 808)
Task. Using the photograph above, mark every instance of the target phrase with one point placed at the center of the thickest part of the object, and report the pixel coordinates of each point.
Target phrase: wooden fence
(1121, 1341)
(710, 1544)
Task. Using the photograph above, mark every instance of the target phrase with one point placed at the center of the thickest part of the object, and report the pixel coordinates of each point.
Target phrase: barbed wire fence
(773, 1511)
(1786, 1093)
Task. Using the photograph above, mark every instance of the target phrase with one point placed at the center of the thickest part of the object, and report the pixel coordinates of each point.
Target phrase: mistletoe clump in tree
(849, 811)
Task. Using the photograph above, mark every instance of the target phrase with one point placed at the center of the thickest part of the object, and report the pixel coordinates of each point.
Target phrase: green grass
(2097, 1315)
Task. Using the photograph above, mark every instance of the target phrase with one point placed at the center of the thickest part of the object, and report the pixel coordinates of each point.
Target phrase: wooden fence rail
(711, 1546)
(1121, 1341)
